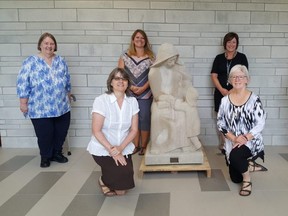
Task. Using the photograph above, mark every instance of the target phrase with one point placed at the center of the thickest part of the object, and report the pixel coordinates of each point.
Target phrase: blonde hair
(147, 47)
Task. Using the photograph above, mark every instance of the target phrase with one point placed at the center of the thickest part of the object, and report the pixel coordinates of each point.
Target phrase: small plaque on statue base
(175, 162)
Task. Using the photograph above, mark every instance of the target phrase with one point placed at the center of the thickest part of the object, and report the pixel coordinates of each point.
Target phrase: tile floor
(71, 189)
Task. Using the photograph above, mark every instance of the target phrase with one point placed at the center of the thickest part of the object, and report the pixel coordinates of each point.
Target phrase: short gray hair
(236, 68)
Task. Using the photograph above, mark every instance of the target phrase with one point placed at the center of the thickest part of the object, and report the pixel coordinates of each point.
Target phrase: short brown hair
(43, 36)
(112, 76)
(228, 37)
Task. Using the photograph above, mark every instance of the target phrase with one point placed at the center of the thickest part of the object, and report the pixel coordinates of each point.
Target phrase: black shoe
(59, 157)
(44, 162)
(136, 149)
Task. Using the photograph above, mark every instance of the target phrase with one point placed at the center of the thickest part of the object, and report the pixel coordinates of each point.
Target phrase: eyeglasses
(120, 78)
(238, 77)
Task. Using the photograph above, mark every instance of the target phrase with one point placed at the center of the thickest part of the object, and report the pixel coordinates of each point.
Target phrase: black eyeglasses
(120, 78)
(238, 77)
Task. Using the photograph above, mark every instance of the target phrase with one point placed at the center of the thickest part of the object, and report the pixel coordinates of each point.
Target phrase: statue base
(175, 167)
(175, 157)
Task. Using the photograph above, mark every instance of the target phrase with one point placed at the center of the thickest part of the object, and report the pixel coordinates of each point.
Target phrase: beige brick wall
(92, 34)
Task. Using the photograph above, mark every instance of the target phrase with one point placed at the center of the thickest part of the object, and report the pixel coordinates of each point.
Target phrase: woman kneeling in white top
(114, 126)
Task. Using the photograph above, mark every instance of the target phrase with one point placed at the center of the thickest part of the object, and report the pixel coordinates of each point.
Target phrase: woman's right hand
(136, 90)
(224, 92)
(24, 107)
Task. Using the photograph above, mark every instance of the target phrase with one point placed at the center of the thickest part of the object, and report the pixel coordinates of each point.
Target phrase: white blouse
(116, 124)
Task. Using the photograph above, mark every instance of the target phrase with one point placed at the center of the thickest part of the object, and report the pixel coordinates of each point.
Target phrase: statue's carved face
(171, 62)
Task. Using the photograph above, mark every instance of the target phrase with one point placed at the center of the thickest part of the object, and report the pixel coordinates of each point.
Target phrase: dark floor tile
(41, 183)
(153, 204)
(16, 162)
(19, 204)
(87, 202)
(88, 205)
(30, 194)
(4, 175)
(91, 185)
(284, 155)
(217, 181)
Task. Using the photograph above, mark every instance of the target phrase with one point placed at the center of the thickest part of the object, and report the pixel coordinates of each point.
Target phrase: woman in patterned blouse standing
(136, 62)
(241, 119)
(43, 86)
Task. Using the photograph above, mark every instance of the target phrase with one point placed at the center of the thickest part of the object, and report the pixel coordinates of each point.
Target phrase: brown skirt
(116, 177)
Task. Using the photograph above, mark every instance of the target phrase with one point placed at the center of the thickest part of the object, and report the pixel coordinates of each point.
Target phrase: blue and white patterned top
(46, 87)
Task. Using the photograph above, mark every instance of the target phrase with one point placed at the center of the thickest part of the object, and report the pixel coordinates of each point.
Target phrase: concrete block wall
(92, 34)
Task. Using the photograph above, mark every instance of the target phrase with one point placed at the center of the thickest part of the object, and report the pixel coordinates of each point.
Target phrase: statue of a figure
(175, 123)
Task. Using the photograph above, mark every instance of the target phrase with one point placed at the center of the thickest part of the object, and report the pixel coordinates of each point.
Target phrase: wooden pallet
(176, 167)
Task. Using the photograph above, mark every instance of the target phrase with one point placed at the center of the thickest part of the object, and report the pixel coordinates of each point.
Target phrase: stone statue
(175, 123)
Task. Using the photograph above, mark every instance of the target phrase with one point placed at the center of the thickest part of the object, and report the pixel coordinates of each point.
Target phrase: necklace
(228, 65)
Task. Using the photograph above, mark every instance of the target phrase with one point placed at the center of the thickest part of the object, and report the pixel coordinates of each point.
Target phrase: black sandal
(136, 149)
(142, 151)
(255, 165)
(244, 189)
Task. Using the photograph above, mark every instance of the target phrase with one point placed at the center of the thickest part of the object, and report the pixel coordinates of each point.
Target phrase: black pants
(51, 133)
(238, 163)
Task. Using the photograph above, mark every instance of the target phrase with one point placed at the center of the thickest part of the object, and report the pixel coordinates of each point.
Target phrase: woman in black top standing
(221, 68)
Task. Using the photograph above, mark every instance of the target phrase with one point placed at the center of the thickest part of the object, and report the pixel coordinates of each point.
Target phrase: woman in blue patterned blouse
(43, 86)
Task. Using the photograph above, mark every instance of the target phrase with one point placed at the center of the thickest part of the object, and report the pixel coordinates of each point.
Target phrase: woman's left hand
(239, 141)
(120, 160)
(137, 90)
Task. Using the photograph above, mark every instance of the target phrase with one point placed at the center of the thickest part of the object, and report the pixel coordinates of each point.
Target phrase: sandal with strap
(244, 191)
(256, 167)
(106, 191)
(142, 151)
(136, 149)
